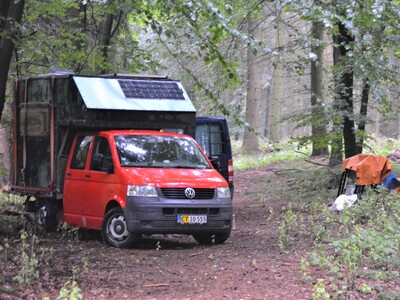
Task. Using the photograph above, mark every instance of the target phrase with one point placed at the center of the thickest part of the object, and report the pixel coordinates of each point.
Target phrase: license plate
(192, 219)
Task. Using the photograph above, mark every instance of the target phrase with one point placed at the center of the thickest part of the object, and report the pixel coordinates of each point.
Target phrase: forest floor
(250, 265)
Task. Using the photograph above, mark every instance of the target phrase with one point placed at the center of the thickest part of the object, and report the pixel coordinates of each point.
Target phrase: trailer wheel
(115, 231)
(46, 220)
(210, 238)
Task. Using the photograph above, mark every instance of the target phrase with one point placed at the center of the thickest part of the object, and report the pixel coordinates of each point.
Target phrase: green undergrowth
(244, 162)
(363, 249)
(29, 258)
(11, 202)
(268, 154)
(352, 253)
(382, 146)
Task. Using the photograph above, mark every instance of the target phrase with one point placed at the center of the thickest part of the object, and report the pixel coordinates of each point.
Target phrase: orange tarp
(369, 168)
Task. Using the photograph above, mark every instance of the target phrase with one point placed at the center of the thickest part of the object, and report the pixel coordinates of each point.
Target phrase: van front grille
(179, 193)
(190, 211)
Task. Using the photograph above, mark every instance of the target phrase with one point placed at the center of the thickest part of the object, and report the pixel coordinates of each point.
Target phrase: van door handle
(87, 176)
(68, 174)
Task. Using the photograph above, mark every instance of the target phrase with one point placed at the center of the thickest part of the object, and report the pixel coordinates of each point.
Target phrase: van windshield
(159, 151)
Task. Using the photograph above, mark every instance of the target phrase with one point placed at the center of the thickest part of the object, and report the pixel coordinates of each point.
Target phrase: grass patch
(268, 154)
(245, 162)
(383, 147)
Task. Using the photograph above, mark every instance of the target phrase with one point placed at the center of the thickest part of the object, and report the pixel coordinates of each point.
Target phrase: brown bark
(11, 11)
(105, 35)
(275, 106)
(250, 138)
(363, 113)
(318, 125)
(344, 97)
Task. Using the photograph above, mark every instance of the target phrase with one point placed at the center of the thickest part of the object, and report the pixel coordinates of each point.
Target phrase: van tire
(210, 238)
(115, 231)
(46, 217)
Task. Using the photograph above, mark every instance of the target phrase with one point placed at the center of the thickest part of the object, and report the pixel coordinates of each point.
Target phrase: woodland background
(315, 72)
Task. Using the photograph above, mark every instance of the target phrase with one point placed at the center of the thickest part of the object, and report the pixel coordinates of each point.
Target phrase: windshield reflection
(159, 151)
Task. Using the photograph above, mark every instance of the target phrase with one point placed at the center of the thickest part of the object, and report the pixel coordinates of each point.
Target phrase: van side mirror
(215, 162)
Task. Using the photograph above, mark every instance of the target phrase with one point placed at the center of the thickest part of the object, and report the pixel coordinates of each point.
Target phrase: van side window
(80, 152)
(209, 138)
(101, 155)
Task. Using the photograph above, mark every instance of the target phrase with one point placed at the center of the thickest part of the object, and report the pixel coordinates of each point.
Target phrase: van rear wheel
(211, 238)
(115, 231)
(46, 217)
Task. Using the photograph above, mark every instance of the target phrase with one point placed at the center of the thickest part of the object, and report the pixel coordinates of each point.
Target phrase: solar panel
(140, 89)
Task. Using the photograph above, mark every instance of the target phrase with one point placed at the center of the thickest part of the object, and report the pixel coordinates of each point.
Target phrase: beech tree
(318, 125)
(250, 138)
(276, 97)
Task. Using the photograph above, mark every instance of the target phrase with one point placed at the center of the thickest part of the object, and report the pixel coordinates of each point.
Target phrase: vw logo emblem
(190, 193)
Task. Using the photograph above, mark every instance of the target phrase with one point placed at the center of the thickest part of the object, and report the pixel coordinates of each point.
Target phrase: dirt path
(249, 265)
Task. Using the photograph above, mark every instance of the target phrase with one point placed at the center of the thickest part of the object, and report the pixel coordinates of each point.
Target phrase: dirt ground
(250, 265)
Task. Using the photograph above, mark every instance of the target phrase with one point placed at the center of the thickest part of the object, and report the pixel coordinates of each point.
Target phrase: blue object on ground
(391, 181)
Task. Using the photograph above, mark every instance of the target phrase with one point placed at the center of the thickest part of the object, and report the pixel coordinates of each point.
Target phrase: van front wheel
(210, 238)
(115, 231)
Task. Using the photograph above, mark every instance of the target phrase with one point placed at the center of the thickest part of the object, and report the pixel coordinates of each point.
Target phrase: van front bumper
(154, 215)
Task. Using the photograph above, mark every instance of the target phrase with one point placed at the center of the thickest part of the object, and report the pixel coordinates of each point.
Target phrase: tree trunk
(250, 138)
(276, 85)
(105, 35)
(336, 134)
(4, 7)
(363, 114)
(318, 127)
(346, 95)
(12, 15)
(343, 97)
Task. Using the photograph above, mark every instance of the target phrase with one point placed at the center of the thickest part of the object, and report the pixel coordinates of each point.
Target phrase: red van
(132, 182)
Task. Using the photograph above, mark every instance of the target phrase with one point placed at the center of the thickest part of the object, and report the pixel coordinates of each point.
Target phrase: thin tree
(107, 32)
(250, 138)
(275, 106)
(344, 88)
(344, 131)
(318, 124)
(363, 114)
(11, 14)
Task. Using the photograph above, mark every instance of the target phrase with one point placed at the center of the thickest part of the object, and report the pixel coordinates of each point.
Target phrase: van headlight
(223, 192)
(141, 191)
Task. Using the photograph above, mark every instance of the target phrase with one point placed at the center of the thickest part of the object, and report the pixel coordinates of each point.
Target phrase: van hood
(174, 178)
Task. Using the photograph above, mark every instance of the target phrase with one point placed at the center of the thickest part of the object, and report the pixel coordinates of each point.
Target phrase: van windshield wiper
(184, 167)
